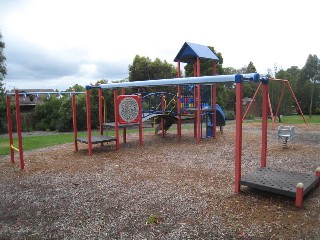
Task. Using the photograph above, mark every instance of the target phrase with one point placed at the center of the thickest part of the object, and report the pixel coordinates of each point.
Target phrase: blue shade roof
(190, 51)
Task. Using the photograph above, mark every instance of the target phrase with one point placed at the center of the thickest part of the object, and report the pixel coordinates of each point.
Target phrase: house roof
(34, 90)
(190, 51)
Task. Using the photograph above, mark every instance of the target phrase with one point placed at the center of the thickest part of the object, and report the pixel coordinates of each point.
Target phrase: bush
(230, 115)
(250, 116)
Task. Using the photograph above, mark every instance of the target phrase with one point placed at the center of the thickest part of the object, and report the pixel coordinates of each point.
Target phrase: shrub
(230, 115)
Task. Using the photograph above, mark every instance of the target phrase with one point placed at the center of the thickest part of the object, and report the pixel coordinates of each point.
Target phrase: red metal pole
(162, 118)
(140, 120)
(280, 100)
(252, 101)
(100, 111)
(74, 121)
(198, 103)
(299, 194)
(270, 109)
(195, 101)
(264, 124)
(294, 96)
(214, 70)
(9, 120)
(116, 120)
(214, 100)
(318, 175)
(239, 86)
(214, 117)
(18, 119)
(179, 104)
(124, 130)
(199, 113)
(89, 122)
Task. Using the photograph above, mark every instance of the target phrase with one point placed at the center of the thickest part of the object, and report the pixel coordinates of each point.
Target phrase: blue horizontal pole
(182, 81)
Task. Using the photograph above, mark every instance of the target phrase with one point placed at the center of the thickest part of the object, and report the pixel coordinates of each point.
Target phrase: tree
(275, 88)
(251, 68)
(76, 88)
(143, 68)
(250, 88)
(307, 85)
(206, 65)
(3, 73)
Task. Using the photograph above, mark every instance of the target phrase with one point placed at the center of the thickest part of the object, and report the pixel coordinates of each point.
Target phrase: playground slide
(221, 118)
(170, 119)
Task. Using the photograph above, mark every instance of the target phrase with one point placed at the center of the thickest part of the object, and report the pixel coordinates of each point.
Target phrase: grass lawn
(35, 142)
(297, 119)
(42, 141)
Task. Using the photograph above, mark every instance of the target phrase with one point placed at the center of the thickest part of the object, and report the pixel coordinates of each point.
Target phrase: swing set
(16, 96)
(285, 83)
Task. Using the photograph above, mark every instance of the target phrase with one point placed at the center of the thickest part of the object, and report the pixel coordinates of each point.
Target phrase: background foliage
(56, 114)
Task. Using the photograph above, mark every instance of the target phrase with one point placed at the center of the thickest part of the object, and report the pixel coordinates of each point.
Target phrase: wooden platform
(96, 139)
(279, 181)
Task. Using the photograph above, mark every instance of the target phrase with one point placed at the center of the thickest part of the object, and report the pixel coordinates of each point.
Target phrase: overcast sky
(58, 43)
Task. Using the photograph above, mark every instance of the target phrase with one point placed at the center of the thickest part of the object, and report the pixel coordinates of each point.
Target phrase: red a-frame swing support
(273, 116)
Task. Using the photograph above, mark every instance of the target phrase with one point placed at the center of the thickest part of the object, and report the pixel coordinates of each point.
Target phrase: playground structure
(17, 95)
(291, 184)
(285, 83)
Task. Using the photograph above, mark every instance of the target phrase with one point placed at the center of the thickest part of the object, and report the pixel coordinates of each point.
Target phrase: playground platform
(96, 139)
(279, 181)
(147, 124)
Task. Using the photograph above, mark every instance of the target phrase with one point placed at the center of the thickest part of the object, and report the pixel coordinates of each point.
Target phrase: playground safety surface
(165, 189)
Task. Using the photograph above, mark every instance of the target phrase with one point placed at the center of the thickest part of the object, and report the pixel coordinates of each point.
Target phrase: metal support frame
(198, 104)
(88, 121)
(116, 119)
(9, 120)
(238, 148)
(264, 124)
(74, 122)
(179, 105)
(19, 130)
(214, 100)
(273, 116)
(163, 112)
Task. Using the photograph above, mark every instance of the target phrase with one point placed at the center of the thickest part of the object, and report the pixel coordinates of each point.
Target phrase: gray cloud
(29, 65)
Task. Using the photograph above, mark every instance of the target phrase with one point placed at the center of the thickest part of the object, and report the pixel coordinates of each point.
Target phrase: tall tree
(308, 84)
(288, 102)
(248, 89)
(3, 73)
(143, 68)
(251, 68)
(206, 65)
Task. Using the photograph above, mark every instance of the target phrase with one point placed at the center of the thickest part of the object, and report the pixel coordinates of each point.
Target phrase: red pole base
(318, 175)
(299, 195)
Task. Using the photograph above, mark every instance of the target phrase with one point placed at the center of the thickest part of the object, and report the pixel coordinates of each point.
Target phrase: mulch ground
(165, 189)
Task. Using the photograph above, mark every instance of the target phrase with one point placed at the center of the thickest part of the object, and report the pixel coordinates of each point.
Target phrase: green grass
(293, 119)
(36, 142)
(297, 119)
